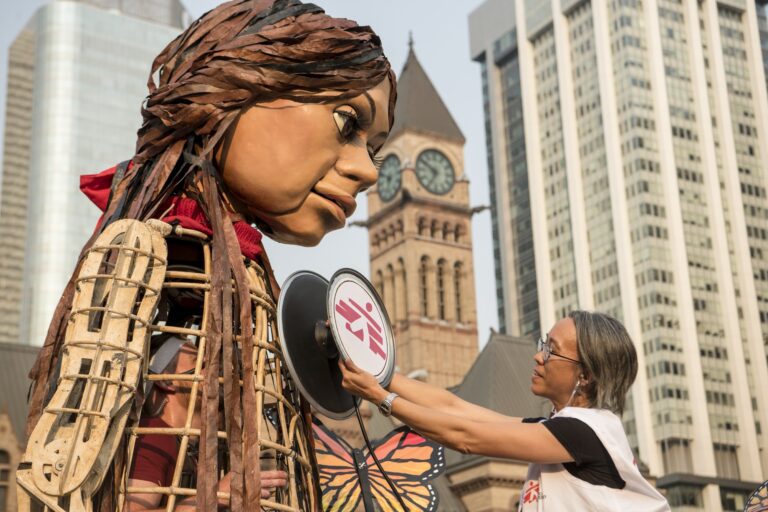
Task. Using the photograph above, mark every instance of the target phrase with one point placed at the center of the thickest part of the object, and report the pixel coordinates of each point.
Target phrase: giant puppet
(264, 116)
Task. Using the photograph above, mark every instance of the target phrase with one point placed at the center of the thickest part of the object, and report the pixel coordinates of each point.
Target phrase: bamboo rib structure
(141, 285)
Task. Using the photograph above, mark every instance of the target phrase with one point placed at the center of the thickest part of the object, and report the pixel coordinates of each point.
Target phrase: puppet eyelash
(347, 123)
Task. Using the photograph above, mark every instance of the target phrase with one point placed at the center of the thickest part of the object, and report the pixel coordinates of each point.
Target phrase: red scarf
(181, 210)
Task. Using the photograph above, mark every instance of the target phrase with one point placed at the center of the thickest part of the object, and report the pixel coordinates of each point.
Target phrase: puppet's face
(298, 167)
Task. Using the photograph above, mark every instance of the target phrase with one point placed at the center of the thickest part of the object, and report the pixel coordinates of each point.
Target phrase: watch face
(435, 172)
(389, 178)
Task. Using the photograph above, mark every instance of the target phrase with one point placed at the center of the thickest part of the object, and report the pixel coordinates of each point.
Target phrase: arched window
(5, 477)
(457, 233)
(441, 289)
(379, 284)
(422, 226)
(423, 301)
(434, 230)
(446, 230)
(403, 288)
(391, 292)
(457, 290)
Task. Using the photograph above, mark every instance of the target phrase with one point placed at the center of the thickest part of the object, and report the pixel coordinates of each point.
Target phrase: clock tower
(420, 235)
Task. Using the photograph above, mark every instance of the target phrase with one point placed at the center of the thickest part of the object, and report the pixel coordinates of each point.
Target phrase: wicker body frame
(58, 474)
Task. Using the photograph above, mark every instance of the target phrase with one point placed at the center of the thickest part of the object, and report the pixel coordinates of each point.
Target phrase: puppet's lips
(344, 201)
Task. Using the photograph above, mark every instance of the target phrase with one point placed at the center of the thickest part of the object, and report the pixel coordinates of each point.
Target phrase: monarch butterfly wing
(411, 462)
(758, 501)
(338, 477)
(417, 496)
(343, 496)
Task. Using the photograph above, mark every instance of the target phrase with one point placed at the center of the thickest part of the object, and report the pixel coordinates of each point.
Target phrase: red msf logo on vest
(531, 493)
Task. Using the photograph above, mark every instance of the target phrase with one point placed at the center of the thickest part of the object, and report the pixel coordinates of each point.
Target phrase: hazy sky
(442, 45)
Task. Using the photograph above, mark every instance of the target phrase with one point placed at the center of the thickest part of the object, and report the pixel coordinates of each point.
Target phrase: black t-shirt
(591, 461)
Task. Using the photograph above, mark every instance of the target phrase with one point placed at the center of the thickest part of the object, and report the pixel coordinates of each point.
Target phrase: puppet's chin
(309, 237)
(305, 227)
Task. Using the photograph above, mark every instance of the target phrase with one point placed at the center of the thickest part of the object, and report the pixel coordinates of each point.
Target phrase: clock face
(389, 178)
(435, 172)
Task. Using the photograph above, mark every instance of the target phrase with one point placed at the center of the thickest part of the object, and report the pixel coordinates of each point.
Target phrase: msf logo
(362, 325)
(531, 493)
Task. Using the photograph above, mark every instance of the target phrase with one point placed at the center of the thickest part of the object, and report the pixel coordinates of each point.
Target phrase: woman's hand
(271, 480)
(361, 383)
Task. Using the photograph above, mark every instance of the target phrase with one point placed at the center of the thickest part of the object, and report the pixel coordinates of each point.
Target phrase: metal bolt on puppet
(164, 382)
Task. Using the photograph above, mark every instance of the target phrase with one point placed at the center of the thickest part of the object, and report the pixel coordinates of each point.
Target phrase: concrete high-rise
(645, 127)
(494, 46)
(77, 77)
(13, 202)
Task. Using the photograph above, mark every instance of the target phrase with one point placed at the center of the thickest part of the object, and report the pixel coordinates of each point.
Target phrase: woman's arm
(439, 399)
(530, 442)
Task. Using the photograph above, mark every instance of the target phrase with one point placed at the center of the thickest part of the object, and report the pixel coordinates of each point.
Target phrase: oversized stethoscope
(319, 322)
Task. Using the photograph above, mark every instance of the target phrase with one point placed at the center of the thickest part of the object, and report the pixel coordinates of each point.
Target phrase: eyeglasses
(544, 346)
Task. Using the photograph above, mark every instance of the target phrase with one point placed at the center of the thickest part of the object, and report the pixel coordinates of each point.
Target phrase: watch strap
(386, 405)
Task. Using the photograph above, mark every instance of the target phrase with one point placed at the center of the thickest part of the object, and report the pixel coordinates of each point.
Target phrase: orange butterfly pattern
(758, 501)
(410, 460)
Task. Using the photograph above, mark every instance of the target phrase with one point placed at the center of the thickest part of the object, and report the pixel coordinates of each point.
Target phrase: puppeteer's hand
(270, 480)
(361, 383)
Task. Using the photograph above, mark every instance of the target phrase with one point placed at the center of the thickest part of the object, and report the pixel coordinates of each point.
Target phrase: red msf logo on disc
(359, 325)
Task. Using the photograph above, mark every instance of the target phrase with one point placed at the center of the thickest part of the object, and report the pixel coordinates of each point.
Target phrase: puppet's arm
(75, 439)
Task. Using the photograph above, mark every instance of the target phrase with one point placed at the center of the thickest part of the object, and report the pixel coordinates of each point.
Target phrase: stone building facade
(421, 263)
(420, 235)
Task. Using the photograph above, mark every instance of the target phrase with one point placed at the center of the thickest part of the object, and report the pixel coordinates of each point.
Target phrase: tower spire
(419, 106)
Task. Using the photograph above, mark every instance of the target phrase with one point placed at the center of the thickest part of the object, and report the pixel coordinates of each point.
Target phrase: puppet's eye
(346, 122)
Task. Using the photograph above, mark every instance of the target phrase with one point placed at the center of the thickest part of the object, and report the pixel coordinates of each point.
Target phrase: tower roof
(15, 362)
(419, 106)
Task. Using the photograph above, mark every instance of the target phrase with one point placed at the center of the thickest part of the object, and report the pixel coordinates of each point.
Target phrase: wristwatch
(385, 407)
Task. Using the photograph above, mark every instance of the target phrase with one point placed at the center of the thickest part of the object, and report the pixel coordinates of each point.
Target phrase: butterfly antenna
(376, 459)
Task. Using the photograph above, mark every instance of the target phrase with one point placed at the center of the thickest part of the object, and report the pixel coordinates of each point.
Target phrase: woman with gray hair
(579, 457)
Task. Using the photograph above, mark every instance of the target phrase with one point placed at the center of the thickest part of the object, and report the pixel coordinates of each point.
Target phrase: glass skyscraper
(78, 75)
(645, 125)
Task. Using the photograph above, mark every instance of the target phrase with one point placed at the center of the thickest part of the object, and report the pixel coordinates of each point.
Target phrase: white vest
(552, 488)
